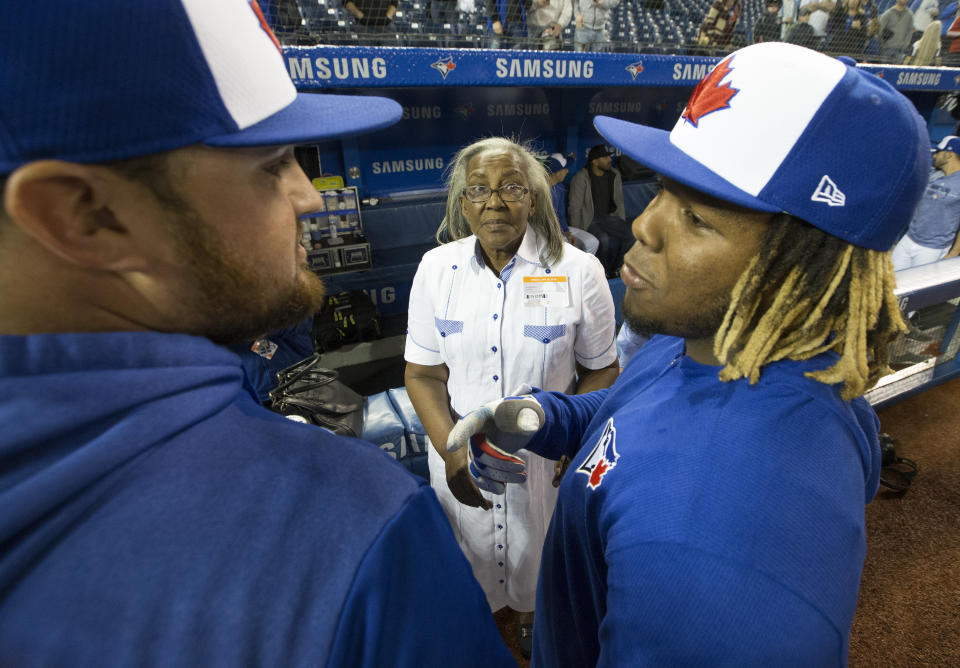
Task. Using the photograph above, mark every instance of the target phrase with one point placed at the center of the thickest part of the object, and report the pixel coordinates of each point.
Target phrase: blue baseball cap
(778, 127)
(949, 143)
(554, 163)
(112, 79)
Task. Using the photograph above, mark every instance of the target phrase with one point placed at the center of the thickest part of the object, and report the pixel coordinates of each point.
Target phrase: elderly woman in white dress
(504, 302)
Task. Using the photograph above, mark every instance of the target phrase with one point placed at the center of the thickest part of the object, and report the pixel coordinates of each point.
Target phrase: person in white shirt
(819, 15)
(502, 304)
(546, 20)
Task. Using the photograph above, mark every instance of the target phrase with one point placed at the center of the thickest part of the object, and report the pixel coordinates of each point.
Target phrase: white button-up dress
(529, 325)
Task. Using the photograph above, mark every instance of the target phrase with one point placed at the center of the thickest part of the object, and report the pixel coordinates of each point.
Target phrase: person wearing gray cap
(152, 512)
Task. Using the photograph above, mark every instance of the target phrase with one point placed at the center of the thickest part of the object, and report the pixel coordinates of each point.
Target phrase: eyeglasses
(512, 192)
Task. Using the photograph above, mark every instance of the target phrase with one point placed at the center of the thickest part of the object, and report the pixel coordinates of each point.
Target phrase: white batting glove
(493, 433)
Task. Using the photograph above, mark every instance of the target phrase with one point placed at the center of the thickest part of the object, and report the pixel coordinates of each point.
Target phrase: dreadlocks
(806, 292)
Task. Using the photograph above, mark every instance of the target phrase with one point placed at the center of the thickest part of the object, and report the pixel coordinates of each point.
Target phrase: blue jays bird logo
(602, 458)
(464, 111)
(635, 68)
(444, 66)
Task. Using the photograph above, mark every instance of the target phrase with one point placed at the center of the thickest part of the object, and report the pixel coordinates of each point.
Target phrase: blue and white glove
(493, 433)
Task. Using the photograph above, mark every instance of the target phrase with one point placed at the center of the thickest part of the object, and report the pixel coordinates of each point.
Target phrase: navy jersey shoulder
(693, 501)
(155, 514)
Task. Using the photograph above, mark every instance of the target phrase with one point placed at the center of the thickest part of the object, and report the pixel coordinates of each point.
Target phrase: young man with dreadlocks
(714, 514)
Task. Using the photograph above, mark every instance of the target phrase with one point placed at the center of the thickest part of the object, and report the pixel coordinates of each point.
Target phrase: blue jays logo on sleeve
(602, 458)
(444, 66)
(709, 96)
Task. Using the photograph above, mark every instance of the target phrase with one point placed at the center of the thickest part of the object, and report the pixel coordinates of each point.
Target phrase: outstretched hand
(461, 484)
(493, 433)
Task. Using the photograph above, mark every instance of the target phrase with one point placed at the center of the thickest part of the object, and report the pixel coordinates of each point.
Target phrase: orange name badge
(546, 291)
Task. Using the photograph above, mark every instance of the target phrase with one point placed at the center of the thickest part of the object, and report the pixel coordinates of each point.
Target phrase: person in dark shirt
(557, 167)
(767, 27)
(507, 21)
(847, 28)
(596, 205)
(719, 23)
(372, 16)
(802, 32)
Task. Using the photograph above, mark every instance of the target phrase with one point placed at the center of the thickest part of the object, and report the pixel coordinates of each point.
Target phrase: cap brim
(651, 147)
(315, 117)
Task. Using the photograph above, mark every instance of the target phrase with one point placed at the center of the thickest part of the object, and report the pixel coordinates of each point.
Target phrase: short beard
(230, 303)
(235, 303)
(701, 325)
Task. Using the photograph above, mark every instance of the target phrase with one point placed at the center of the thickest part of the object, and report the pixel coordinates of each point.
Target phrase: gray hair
(543, 219)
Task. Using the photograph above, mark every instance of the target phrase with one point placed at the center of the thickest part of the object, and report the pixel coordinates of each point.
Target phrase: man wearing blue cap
(713, 511)
(932, 234)
(151, 511)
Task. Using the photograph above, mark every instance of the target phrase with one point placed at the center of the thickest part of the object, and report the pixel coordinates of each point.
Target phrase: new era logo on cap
(777, 127)
(828, 193)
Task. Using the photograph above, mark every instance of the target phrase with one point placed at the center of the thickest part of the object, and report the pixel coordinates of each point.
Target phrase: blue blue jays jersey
(153, 514)
(705, 523)
(264, 358)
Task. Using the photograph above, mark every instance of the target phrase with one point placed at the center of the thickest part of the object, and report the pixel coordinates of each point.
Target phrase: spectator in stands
(925, 12)
(719, 23)
(591, 17)
(767, 27)
(596, 205)
(552, 326)
(286, 19)
(507, 22)
(932, 234)
(546, 20)
(557, 170)
(926, 50)
(153, 513)
(896, 32)
(952, 34)
(802, 32)
(819, 15)
(788, 16)
(847, 29)
(372, 17)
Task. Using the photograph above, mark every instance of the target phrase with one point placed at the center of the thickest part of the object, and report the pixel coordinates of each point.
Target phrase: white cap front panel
(721, 126)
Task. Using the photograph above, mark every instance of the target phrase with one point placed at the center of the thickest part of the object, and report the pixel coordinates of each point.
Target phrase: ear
(67, 208)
